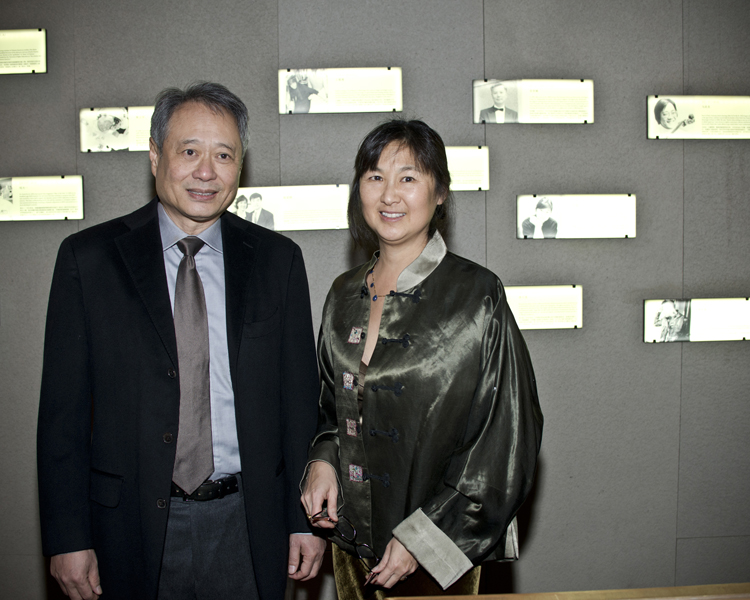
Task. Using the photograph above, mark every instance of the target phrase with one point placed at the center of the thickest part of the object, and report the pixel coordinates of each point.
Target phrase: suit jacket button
(167, 437)
(161, 503)
(172, 373)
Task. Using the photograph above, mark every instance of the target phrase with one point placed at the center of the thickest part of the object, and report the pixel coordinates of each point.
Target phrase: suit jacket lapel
(239, 262)
(141, 250)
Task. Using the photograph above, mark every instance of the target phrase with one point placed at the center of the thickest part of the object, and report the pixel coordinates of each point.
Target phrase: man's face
(198, 171)
(254, 204)
(499, 94)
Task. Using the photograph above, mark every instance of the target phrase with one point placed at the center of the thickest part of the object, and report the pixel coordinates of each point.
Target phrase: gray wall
(645, 465)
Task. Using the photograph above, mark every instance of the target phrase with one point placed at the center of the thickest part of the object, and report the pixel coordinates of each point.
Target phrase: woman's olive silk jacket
(450, 425)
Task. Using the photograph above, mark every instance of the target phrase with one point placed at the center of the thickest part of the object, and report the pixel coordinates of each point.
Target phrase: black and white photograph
(293, 207)
(6, 195)
(575, 216)
(303, 88)
(104, 129)
(371, 89)
(698, 117)
(496, 101)
(669, 323)
(23, 51)
(251, 209)
(540, 224)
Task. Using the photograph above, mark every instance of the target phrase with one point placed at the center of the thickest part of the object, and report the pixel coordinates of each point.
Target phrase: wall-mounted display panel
(575, 216)
(696, 320)
(23, 51)
(52, 198)
(340, 90)
(534, 101)
(294, 207)
(115, 128)
(698, 117)
(546, 306)
(469, 167)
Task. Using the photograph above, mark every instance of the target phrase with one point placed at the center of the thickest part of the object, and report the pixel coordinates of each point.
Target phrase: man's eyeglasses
(346, 531)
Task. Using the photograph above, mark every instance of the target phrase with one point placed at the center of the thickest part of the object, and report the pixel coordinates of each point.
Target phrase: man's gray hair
(212, 95)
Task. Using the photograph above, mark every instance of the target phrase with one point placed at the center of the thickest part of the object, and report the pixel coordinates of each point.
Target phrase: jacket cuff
(432, 549)
(328, 452)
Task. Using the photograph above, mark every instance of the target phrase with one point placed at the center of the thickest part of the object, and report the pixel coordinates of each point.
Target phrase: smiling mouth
(390, 215)
(203, 193)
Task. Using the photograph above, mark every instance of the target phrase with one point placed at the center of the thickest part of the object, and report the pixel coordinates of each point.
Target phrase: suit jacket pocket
(263, 327)
(105, 488)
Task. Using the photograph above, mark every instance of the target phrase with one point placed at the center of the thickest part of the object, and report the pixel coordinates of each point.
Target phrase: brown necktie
(194, 461)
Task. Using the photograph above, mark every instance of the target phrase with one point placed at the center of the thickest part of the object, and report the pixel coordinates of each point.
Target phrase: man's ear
(153, 155)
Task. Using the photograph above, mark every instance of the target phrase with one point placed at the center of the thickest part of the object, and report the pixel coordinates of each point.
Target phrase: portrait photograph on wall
(115, 128)
(698, 117)
(340, 90)
(23, 51)
(546, 306)
(533, 101)
(293, 207)
(48, 198)
(575, 216)
(696, 320)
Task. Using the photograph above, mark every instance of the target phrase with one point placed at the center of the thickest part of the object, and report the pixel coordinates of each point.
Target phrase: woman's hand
(321, 487)
(397, 564)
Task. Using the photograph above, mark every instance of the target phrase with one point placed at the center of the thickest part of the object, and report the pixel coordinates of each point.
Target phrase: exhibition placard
(534, 101)
(115, 128)
(546, 306)
(575, 216)
(340, 90)
(696, 320)
(469, 167)
(698, 117)
(49, 198)
(23, 51)
(293, 207)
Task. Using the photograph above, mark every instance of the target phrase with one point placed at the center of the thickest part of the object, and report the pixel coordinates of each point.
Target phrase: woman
(429, 423)
(665, 113)
(540, 224)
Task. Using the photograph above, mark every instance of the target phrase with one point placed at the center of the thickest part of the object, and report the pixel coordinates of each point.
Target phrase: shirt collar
(432, 255)
(171, 234)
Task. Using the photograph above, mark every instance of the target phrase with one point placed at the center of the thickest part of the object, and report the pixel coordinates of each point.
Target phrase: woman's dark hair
(660, 106)
(428, 150)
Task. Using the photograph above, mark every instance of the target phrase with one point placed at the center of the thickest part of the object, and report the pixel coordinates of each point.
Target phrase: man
(498, 112)
(138, 407)
(257, 214)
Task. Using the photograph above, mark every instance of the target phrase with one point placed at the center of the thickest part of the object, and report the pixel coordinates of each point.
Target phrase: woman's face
(668, 117)
(398, 200)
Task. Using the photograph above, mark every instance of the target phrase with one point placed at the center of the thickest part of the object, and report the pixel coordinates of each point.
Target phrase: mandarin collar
(428, 260)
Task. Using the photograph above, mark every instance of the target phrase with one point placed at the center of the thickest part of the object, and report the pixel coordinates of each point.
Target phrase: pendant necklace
(372, 285)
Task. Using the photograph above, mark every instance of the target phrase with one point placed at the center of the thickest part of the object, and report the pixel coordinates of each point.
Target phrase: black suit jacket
(488, 115)
(109, 406)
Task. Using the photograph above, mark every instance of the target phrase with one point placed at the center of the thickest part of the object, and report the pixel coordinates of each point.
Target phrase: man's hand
(321, 487)
(78, 574)
(305, 556)
(396, 565)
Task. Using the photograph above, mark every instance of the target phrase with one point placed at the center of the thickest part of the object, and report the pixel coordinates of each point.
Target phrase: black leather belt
(209, 490)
